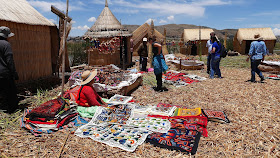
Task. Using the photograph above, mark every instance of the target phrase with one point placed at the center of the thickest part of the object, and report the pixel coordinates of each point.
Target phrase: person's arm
(265, 52)
(251, 51)
(213, 49)
(140, 49)
(159, 47)
(10, 61)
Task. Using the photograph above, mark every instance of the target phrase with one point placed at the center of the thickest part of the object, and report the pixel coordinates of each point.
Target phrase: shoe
(262, 79)
(251, 81)
(163, 89)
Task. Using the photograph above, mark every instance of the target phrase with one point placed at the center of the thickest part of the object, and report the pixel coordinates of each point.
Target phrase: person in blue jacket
(257, 53)
(215, 58)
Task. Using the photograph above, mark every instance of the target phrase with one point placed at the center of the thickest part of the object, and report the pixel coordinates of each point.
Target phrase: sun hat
(5, 32)
(258, 37)
(87, 76)
(145, 39)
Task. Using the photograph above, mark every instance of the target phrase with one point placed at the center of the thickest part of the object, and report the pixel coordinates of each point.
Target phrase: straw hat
(87, 76)
(258, 37)
(5, 32)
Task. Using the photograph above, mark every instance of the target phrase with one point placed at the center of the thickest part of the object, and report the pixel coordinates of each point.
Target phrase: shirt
(7, 66)
(143, 50)
(257, 50)
(88, 97)
(209, 46)
(217, 51)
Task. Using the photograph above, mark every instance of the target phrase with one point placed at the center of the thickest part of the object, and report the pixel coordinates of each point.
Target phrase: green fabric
(87, 111)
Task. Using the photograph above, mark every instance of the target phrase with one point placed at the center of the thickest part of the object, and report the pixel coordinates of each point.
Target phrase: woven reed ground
(253, 108)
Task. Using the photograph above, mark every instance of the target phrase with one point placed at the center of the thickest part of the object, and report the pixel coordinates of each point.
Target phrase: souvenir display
(124, 137)
(177, 79)
(165, 111)
(117, 114)
(274, 77)
(150, 124)
(216, 116)
(119, 99)
(187, 112)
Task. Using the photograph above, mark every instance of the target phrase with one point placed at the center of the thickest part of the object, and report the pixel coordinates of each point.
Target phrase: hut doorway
(247, 48)
(194, 49)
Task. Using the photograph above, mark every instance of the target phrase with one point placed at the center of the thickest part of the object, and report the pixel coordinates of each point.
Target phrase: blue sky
(219, 14)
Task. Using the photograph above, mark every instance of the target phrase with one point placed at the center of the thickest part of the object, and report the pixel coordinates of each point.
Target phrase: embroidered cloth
(187, 112)
(124, 137)
(216, 116)
(117, 114)
(150, 124)
(119, 99)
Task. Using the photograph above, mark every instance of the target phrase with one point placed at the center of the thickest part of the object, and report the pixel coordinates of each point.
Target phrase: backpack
(223, 51)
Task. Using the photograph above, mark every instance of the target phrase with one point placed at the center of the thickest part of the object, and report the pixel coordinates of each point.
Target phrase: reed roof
(142, 31)
(20, 11)
(106, 25)
(249, 33)
(193, 34)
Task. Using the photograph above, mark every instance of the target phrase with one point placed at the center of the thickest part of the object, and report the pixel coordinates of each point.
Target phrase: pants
(215, 66)
(159, 80)
(208, 62)
(144, 63)
(255, 69)
(8, 95)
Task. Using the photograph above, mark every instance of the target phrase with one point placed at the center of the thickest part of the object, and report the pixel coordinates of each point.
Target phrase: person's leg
(208, 63)
(218, 71)
(212, 68)
(253, 70)
(159, 81)
(144, 64)
(8, 95)
(258, 71)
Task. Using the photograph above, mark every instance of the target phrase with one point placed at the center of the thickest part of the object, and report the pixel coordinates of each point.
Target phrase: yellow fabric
(189, 112)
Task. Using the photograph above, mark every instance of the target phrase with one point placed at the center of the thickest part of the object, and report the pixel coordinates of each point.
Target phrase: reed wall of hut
(189, 49)
(33, 47)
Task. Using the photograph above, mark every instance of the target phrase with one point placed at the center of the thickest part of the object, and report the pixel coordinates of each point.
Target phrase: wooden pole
(200, 51)
(64, 49)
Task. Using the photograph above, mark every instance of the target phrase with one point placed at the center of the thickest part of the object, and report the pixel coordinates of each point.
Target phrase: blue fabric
(217, 51)
(255, 69)
(257, 50)
(159, 64)
(215, 66)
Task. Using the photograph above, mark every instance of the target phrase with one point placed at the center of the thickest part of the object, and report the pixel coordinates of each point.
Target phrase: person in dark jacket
(143, 53)
(8, 73)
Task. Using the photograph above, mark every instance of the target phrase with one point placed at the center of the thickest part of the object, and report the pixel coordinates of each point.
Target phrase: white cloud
(53, 21)
(45, 6)
(92, 19)
(162, 21)
(194, 8)
(276, 31)
(150, 20)
(73, 22)
(171, 17)
(81, 28)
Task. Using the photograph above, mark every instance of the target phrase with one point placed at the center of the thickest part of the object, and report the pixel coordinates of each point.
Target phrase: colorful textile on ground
(124, 137)
(119, 99)
(48, 109)
(72, 94)
(177, 79)
(177, 139)
(75, 124)
(216, 116)
(150, 124)
(198, 123)
(118, 114)
(87, 111)
(274, 77)
(167, 105)
(161, 110)
(39, 127)
(187, 112)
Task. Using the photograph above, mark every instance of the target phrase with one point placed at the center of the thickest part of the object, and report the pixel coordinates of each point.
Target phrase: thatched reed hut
(105, 28)
(244, 36)
(147, 31)
(191, 45)
(36, 41)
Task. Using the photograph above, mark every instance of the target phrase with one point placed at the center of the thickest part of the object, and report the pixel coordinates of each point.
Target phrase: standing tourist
(215, 59)
(8, 74)
(143, 53)
(158, 63)
(256, 54)
(209, 46)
